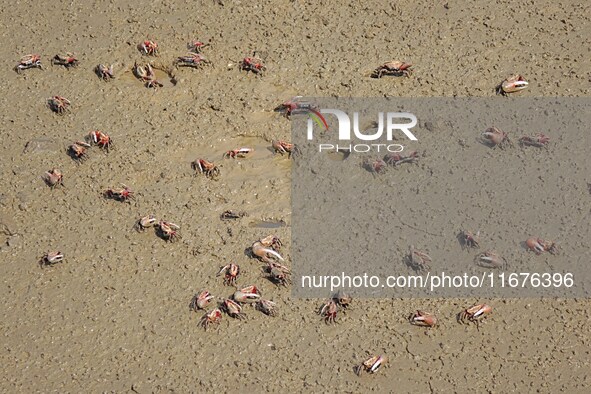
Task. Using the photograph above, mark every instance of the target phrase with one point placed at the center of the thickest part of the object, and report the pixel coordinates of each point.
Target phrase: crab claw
(512, 84)
(535, 244)
(201, 300)
(247, 295)
(264, 253)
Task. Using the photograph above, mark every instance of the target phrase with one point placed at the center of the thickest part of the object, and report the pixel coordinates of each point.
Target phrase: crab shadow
(408, 261)
(462, 240)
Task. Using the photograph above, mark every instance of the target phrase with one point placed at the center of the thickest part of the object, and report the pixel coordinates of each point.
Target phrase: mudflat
(114, 315)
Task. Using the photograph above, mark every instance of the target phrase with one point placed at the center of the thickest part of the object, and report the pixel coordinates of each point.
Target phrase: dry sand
(114, 316)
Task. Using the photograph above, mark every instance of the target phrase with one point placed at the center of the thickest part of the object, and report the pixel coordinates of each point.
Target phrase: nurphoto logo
(388, 123)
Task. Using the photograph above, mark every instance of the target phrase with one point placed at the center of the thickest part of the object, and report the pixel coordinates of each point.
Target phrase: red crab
(395, 68)
(231, 272)
(78, 151)
(205, 167)
(253, 64)
(194, 60)
(169, 231)
(123, 195)
(148, 47)
(283, 147)
(68, 60)
(101, 139)
(58, 104)
(375, 166)
(196, 46)
(395, 159)
(240, 153)
(28, 61)
(211, 318)
(539, 140)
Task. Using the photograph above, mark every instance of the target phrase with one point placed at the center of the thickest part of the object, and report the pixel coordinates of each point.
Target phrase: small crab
(395, 159)
(68, 60)
(211, 318)
(512, 84)
(470, 240)
(538, 245)
(283, 147)
(79, 151)
(148, 47)
(168, 231)
(264, 251)
(104, 72)
(328, 311)
(146, 75)
(238, 153)
(342, 299)
(194, 60)
(271, 241)
(58, 104)
(371, 365)
(490, 259)
(53, 178)
(28, 61)
(229, 214)
(205, 167)
(419, 261)
(267, 307)
(196, 46)
(496, 137)
(231, 272)
(200, 300)
(247, 294)
(233, 309)
(475, 313)
(102, 140)
(539, 140)
(395, 68)
(144, 222)
(123, 195)
(51, 258)
(423, 319)
(294, 107)
(375, 166)
(278, 274)
(253, 64)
